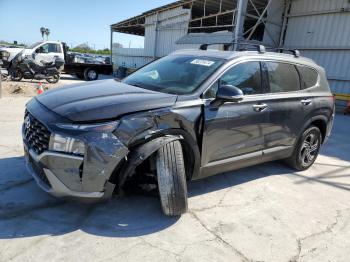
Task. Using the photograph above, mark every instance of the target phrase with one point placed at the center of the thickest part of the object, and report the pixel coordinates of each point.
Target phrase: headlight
(66, 144)
(100, 127)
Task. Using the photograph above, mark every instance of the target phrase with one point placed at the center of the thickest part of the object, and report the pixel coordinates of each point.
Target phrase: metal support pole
(285, 19)
(155, 38)
(111, 46)
(238, 22)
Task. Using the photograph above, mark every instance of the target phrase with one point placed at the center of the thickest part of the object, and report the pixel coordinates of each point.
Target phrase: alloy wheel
(309, 149)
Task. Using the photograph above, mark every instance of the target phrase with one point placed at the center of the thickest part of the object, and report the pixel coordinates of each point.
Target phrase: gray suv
(189, 115)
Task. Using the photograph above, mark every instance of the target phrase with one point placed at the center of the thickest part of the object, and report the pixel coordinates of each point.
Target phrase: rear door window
(308, 76)
(282, 77)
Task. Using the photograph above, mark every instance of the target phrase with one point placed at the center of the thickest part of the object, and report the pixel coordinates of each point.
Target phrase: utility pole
(0, 80)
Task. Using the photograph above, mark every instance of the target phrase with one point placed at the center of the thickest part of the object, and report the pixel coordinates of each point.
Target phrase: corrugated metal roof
(206, 38)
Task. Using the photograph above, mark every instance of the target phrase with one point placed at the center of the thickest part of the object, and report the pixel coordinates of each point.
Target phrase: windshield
(175, 74)
(34, 45)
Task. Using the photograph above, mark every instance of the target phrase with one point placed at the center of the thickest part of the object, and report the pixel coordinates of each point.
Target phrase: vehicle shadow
(25, 210)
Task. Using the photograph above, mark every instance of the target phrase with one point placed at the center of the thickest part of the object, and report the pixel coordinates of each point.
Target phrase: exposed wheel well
(322, 125)
(188, 158)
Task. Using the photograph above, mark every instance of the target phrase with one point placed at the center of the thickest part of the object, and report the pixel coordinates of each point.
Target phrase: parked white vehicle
(41, 51)
(83, 66)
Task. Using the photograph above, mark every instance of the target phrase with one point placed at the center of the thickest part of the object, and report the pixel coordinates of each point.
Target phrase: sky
(71, 21)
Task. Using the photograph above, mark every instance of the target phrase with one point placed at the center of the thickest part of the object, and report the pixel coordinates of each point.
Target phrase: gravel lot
(262, 213)
(28, 88)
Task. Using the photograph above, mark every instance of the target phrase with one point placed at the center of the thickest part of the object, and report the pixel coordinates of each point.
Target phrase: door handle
(306, 102)
(259, 107)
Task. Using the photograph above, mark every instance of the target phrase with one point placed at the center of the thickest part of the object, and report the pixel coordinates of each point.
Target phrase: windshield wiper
(136, 85)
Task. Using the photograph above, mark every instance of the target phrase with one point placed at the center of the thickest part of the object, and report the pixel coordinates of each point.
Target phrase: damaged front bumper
(72, 176)
(38, 167)
(68, 176)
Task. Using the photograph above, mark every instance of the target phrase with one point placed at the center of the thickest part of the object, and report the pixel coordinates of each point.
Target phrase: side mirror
(229, 93)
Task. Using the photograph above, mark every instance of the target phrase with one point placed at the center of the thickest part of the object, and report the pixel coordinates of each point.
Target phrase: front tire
(3, 77)
(307, 149)
(16, 75)
(172, 179)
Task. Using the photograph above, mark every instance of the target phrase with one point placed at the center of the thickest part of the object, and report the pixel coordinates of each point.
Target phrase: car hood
(102, 100)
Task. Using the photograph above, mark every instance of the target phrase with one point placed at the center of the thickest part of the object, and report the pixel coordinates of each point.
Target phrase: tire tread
(172, 179)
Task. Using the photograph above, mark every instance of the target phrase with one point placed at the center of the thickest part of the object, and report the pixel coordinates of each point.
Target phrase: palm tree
(42, 31)
(47, 33)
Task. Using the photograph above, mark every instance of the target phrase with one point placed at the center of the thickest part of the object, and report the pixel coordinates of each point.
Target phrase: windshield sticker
(153, 74)
(202, 62)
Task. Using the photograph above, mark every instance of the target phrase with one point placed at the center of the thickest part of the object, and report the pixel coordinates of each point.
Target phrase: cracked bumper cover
(68, 176)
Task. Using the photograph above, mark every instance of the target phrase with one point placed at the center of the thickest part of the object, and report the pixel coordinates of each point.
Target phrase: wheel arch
(142, 151)
(319, 121)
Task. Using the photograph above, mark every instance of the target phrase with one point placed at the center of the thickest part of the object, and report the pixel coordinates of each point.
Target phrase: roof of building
(217, 15)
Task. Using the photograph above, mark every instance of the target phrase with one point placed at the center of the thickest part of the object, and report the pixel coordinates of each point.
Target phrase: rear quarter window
(308, 76)
(282, 77)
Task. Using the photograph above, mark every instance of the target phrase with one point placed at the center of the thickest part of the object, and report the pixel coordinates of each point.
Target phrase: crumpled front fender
(139, 154)
(103, 153)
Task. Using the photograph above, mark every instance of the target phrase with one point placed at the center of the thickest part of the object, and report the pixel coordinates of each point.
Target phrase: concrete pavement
(262, 213)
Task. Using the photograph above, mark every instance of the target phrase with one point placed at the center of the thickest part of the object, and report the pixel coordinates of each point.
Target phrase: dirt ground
(28, 88)
(262, 213)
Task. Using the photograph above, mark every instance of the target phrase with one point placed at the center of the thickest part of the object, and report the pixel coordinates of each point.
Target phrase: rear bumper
(329, 127)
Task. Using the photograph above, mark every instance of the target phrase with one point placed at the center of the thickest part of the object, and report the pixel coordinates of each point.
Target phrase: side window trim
(265, 78)
(300, 78)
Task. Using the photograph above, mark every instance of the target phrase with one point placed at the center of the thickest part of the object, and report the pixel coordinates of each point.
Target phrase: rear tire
(90, 74)
(306, 150)
(172, 179)
(53, 79)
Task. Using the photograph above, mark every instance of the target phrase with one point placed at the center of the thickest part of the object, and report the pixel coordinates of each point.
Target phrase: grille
(36, 134)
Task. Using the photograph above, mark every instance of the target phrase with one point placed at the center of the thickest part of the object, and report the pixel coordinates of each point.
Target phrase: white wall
(171, 26)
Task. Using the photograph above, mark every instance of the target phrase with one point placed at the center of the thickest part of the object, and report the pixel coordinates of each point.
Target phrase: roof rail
(295, 52)
(260, 48)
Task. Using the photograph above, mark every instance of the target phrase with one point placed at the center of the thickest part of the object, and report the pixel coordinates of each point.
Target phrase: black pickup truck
(88, 70)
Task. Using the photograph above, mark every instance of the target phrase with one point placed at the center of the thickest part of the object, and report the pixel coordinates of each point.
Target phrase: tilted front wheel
(172, 179)
(307, 149)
